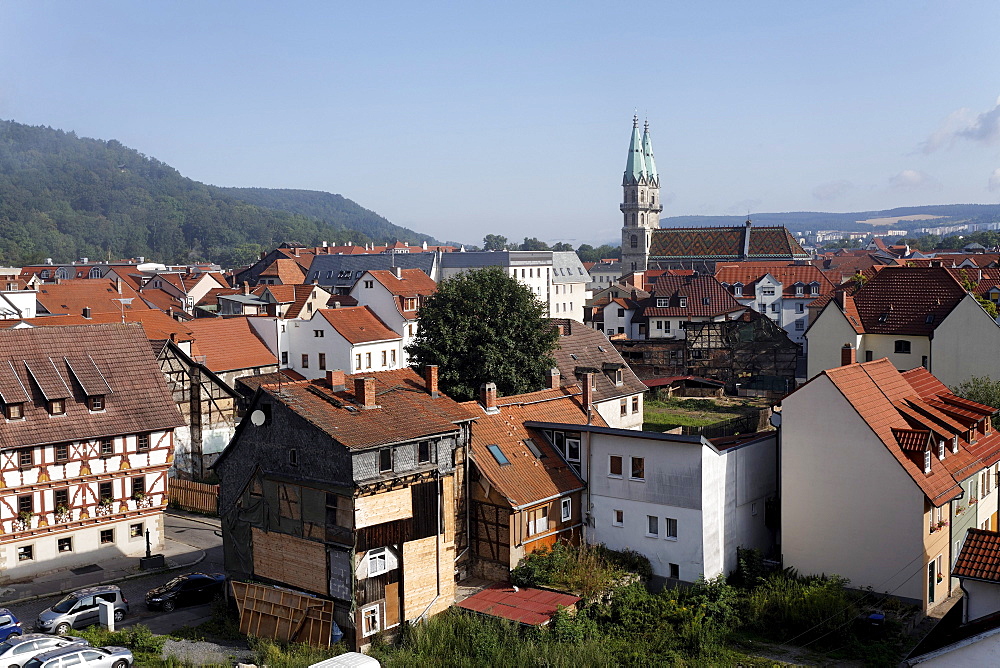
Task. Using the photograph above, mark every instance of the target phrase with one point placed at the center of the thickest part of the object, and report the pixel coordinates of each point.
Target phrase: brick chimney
(246, 288)
(86, 312)
(554, 378)
(431, 376)
(588, 393)
(488, 397)
(336, 380)
(397, 272)
(848, 355)
(364, 392)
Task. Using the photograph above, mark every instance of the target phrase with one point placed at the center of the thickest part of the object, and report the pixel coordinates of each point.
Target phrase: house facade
(676, 301)
(353, 489)
(87, 440)
(351, 338)
(395, 297)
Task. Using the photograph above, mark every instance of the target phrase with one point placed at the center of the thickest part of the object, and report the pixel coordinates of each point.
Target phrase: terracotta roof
(896, 410)
(405, 410)
(413, 282)
(527, 479)
(159, 298)
(157, 325)
(980, 556)
(287, 270)
(705, 297)
(212, 296)
(357, 324)
(229, 344)
(100, 295)
(724, 243)
(581, 349)
(524, 605)
(67, 359)
(748, 273)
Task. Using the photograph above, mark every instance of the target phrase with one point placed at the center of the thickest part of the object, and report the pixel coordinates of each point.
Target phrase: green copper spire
(635, 168)
(647, 150)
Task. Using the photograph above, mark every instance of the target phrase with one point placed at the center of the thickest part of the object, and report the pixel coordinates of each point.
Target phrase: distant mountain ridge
(67, 197)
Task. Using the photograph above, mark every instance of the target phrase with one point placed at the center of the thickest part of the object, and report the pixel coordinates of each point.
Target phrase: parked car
(81, 609)
(18, 649)
(190, 589)
(9, 624)
(85, 657)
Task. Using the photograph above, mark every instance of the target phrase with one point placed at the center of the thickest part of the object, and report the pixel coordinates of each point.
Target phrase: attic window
(814, 289)
(941, 449)
(738, 290)
(705, 301)
(57, 407)
(662, 302)
(683, 302)
(799, 290)
(882, 318)
(927, 461)
(497, 455)
(530, 444)
(954, 443)
(601, 348)
(573, 355)
(929, 319)
(14, 411)
(95, 402)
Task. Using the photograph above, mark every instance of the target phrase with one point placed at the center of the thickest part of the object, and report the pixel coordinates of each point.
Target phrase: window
(868, 356)
(753, 508)
(25, 457)
(683, 302)
(57, 407)
(377, 562)
(954, 443)
(573, 450)
(941, 449)
(25, 552)
(370, 618)
(638, 468)
(774, 307)
(566, 510)
(902, 347)
(409, 328)
(927, 461)
(767, 291)
(368, 360)
(293, 456)
(385, 460)
(737, 290)
(634, 241)
(95, 402)
(322, 361)
(799, 290)
(369, 284)
(800, 325)
(25, 504)
(675, 571)
(305, 360)
(635, 404)
(538, 521)
(392, 356)
(652, 526)
(138, 486)
(621, 313)
(107, 536)
(615, 466)
(498, 455)
(65, 544)
(411, 304)
(670, 528)
(662, 302)
(105, 491)
(624, 407)
(13, 411)
(424, 452)
(136, 530)
(800, 308)
(659, 324)
(107, 447)
(357, 361)
(284, 358)
(610, 331)
(142, 442)
(618, 518)
(318, 333)
(61, 497)
(385, 358)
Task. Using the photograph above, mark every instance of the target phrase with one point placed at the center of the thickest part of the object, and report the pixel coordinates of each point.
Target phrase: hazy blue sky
(461, 119)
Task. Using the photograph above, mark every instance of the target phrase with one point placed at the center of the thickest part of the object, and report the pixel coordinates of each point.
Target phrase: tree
(494, 242)
(982, 390)
(483, 326)
(533, 244)
(562, 247)
(970, 285)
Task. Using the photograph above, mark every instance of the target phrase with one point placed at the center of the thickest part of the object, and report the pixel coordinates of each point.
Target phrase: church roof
(635, 168)
(647, 150)
(725, 243)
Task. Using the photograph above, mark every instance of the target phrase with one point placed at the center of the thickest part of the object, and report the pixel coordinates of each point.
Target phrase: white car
(15, 651)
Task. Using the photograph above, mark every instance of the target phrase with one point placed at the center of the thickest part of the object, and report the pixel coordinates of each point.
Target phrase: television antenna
(122, 303)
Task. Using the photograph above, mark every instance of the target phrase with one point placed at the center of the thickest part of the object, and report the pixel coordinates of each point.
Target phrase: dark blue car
(9, 625)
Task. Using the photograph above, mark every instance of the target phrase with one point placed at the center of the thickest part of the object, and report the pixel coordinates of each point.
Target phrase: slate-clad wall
(405, 458)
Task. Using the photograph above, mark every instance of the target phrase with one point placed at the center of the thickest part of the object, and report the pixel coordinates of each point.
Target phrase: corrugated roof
(526, 605)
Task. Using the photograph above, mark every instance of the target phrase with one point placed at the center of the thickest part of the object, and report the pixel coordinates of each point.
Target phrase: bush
(584, 570)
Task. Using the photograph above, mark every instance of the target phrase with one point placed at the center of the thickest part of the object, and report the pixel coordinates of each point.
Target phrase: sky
(465, 119)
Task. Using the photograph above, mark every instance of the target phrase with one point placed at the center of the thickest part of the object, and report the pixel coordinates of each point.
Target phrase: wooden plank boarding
(283, 558)
(279, 614)
(194, 496)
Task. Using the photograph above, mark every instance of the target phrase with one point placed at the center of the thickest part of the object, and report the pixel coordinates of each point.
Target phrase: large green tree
(483, 326)
(983, 390)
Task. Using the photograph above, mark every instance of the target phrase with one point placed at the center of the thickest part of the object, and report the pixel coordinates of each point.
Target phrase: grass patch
(290, 655)
(671, 412)
(145, 645)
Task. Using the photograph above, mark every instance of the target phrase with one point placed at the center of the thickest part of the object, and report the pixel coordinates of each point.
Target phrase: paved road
(193, 532)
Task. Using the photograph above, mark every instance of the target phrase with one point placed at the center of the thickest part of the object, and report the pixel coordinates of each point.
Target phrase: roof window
(941, 449)
(927, 461)
(882, 318)
(498, 455)
(530, 444)
(929, 319)
(954, 443)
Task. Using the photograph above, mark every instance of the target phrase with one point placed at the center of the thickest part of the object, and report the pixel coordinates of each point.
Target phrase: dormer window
(705, 301)
(662, 302)
(13, 411)
(411, 304)
(618, 377)
(95, 402)
(954, 443)
(814, 289)
(941, 449)
(799, 290)
(44, 274)
(927, 461)
(683, 302)
(57, 407)
(738, 290)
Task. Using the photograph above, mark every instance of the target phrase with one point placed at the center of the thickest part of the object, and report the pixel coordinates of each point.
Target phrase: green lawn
(665, 414)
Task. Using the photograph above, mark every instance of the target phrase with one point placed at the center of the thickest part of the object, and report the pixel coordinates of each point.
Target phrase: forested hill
(66, 197)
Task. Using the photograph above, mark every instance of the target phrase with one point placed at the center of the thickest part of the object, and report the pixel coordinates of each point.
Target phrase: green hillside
(66, 197)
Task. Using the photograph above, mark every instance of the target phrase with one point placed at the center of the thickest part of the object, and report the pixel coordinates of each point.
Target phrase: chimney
(118, 284)
(326, 244)
(335, 379)
(431, 375)
(295, 252)
(848, 355)
(554, 378)
(246, 288)
(588, 393)
(86, 312)
(488, 397)
(561, 330)
(397, 272)
(364, 392)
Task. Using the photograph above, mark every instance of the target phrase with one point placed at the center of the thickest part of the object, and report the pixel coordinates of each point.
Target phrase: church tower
(640, 200)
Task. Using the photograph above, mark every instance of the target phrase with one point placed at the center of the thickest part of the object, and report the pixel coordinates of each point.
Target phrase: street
(200, 534)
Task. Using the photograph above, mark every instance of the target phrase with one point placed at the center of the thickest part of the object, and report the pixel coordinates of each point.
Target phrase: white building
(395, 296)
(568, 293)
(351, 339)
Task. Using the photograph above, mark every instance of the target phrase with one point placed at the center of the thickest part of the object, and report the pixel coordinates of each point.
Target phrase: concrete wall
(965, 345)
(982, 598)
(611, 411)
(829, 332)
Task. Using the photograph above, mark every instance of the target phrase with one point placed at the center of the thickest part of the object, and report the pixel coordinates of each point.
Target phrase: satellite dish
(257, 417)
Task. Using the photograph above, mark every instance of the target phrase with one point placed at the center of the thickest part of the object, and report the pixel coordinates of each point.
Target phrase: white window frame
(374, 556)
(571, 459)
(615, 522)
(630, 469)
(378, 620)
(616, 475)
(927, 461)
(669, 523)
(649, 521)
(566, 510)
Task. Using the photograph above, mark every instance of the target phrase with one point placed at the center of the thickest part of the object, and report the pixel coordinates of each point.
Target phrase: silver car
(85, 657)
(80, 609)
(15, 651)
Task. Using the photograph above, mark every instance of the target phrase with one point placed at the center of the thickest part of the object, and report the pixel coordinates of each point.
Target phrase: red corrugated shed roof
(527, 605)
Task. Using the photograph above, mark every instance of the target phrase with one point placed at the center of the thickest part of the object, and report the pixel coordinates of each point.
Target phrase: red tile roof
(724, 243)
(100, 295)
(229, 344)
(158, 325)
(526, 605)
(748, 273)
(897, 406)
(64, 360)
(705, 297)
(527, 479)
(413, 282)
(405, 409)
(980, 556)
(357, 324)
(289, 271)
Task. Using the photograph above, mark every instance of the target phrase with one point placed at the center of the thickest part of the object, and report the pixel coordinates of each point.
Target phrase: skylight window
(530, 444)
(929, 319)
(497, 455)
(882, 318)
